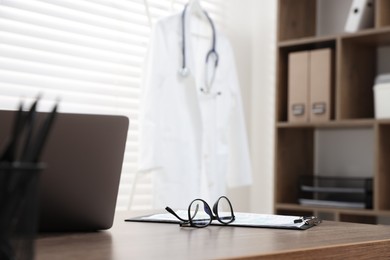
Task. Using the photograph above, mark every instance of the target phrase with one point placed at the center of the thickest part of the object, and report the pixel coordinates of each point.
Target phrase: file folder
(360, 16)
(298, 87)
(321, 82)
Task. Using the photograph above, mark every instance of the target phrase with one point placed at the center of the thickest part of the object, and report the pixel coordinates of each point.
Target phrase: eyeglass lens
(223, 210)
(199, 213)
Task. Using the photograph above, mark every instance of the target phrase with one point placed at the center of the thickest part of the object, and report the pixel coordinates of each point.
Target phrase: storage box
(382, 100)
(345, 192)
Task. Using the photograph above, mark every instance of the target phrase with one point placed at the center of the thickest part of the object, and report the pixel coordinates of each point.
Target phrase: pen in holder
(19, 181)
(19, 187)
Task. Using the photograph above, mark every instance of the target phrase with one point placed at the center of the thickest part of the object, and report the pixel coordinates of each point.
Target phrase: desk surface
(130, 240)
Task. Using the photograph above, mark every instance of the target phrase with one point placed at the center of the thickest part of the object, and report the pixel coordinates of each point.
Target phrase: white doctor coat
(184, 134)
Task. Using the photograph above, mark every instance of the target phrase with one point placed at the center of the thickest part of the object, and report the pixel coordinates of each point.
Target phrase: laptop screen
(83, 157)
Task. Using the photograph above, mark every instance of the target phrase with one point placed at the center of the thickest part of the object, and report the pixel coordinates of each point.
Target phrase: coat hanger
(196, 9)
(200, 26)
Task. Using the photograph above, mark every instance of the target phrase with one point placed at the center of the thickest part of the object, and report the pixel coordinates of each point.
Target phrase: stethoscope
(184, 70)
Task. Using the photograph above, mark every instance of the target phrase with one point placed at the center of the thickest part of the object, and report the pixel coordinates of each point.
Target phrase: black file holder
(345, 192)
(19, 186)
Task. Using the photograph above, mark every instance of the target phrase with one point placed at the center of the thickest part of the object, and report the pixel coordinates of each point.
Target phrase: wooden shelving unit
(353, 106)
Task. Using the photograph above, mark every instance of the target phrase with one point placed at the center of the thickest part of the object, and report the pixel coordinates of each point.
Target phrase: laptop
(83, 157)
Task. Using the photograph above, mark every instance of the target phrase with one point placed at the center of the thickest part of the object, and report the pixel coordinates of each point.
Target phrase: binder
(360, 16)
(298, 86)
(321, 78)
(242, 219)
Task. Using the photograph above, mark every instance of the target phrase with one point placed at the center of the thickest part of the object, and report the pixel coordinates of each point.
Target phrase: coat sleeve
(150, 118)
(240, 169)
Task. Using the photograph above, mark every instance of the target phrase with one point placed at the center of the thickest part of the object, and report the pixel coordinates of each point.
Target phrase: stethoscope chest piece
(184, 72)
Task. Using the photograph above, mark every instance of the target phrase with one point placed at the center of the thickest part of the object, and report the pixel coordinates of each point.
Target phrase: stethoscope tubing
(183, 45)
(184, 70)
(214, 43)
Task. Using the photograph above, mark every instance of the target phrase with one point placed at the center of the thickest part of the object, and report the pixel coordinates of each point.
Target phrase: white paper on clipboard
(242, 219)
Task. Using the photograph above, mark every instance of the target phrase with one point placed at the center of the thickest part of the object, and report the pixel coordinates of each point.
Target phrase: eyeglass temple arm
(174, 213)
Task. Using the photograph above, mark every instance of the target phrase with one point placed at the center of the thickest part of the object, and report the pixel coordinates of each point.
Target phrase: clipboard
(242, 219)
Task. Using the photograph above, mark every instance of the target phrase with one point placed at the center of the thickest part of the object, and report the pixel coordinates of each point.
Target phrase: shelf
(374, 37)
(332, 124)
(371, 36)
(365, 212)
(383, 121)
(315, 41)
(346, 123)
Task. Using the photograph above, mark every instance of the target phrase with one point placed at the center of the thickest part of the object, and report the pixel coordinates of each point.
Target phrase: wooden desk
(329, 240)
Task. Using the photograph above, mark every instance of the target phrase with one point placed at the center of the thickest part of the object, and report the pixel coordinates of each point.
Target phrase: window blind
(88, 53)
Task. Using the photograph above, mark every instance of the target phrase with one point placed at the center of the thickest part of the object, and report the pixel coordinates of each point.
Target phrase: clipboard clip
(308, 220)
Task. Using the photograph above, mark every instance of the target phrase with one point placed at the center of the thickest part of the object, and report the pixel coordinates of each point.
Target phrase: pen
(9, 151)
(33, 153)
(30, 122)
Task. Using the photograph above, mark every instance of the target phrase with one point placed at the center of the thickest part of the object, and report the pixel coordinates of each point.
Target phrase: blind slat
(28, 67)
(66, 84)
(56, 37)
(80, 32)
(21, 53)
(68, 49)
(57, 13)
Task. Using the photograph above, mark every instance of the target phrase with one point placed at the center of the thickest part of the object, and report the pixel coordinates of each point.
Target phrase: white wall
(251, 27)
(336, 151)
(338, 10)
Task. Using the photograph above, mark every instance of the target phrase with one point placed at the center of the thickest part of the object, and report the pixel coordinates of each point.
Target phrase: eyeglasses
(200, 214)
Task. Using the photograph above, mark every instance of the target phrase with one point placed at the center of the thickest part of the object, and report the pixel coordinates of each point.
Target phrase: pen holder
(18, 210)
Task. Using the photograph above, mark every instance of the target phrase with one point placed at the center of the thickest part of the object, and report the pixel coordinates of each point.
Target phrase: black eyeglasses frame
(191, 222)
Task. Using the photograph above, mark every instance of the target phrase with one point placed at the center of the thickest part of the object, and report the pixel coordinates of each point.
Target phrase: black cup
(19, 187)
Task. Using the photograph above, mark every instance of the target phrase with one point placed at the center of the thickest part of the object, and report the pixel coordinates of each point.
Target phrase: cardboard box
(381, 100)
(298, 87)
(320, 85)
